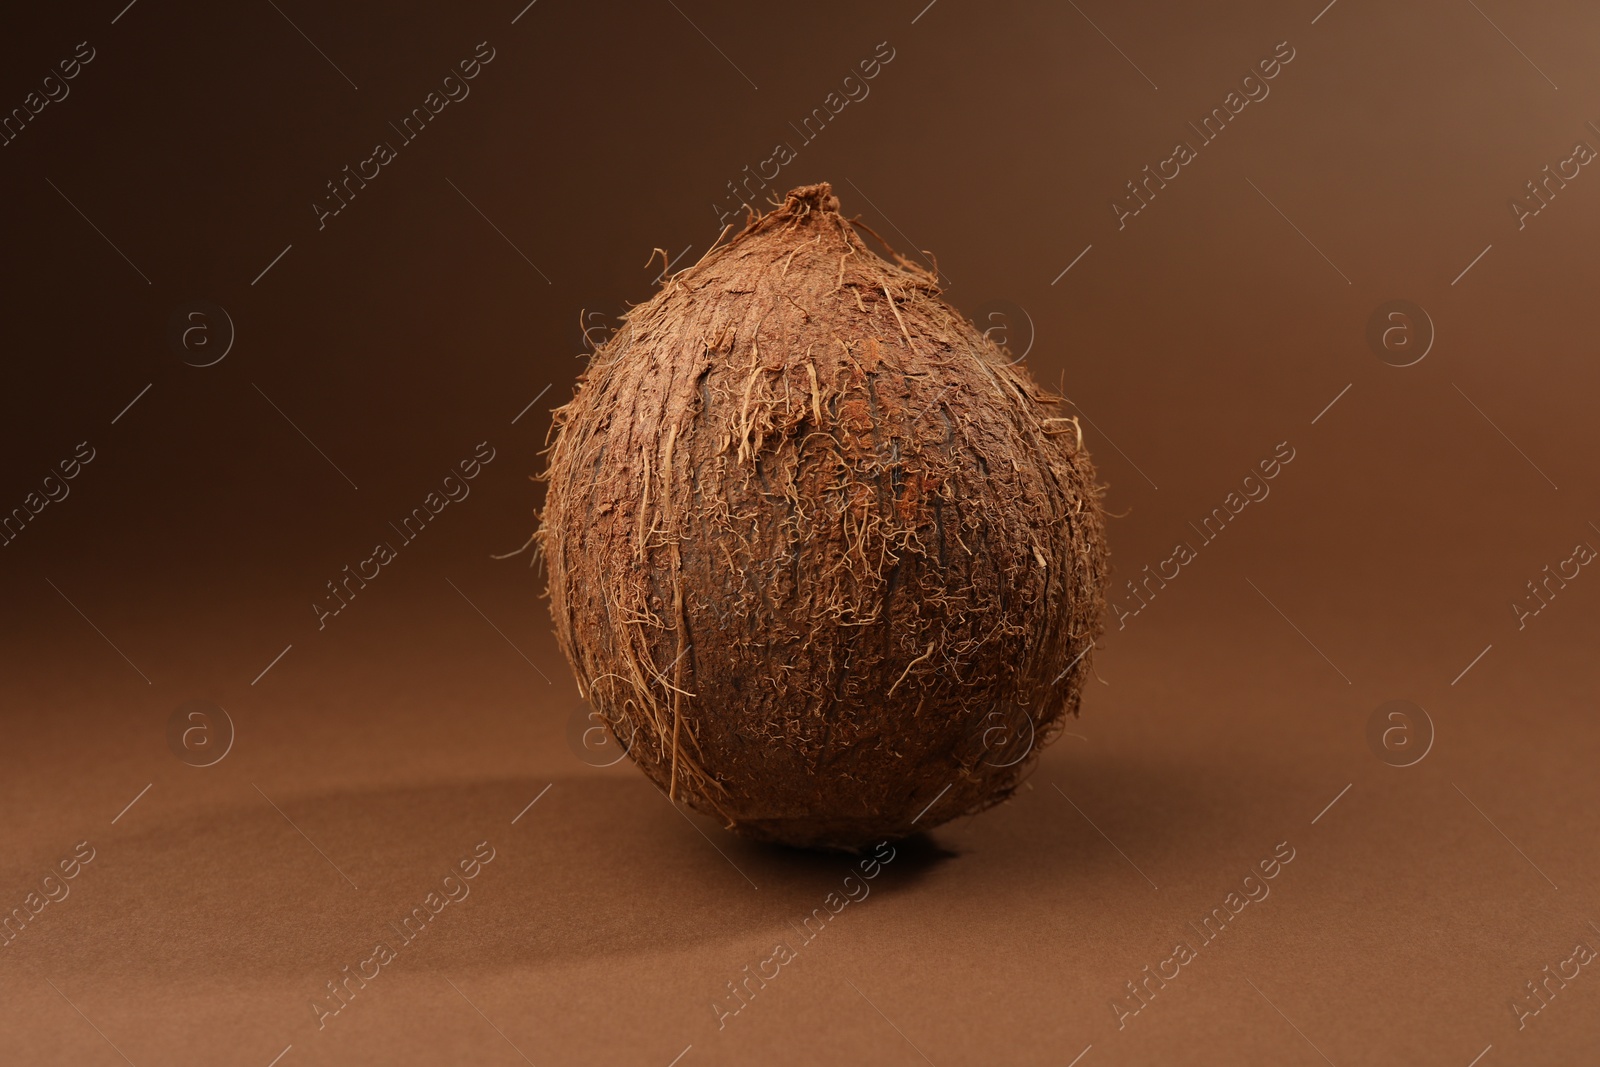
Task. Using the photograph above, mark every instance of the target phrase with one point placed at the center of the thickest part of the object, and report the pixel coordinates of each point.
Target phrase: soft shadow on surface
(914, 856)
(600, 865)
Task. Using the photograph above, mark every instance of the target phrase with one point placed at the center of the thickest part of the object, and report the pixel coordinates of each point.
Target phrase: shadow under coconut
(915, 857)
(598, 866)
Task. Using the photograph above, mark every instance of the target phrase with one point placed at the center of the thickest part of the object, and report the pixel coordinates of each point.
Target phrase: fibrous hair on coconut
(817, 548)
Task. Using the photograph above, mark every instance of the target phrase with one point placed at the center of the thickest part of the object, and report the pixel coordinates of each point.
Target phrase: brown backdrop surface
(443, 306)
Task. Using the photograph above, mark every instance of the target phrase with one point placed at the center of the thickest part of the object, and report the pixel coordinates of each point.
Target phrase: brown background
(429, 713)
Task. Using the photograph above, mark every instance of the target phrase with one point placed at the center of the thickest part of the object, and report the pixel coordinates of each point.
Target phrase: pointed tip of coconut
(803, 205)
(804, 199)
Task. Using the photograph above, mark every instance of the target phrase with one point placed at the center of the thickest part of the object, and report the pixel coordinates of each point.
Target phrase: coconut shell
(821, 553)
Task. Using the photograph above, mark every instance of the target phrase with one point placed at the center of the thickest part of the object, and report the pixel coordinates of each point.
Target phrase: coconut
(817, 547)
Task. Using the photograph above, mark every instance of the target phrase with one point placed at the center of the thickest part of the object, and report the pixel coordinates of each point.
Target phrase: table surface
(608, 926)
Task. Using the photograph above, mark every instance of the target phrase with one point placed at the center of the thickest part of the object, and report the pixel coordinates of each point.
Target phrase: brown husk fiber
(815, 548)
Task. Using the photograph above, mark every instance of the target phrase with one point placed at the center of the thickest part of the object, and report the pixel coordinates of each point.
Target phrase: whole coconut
(817, 548)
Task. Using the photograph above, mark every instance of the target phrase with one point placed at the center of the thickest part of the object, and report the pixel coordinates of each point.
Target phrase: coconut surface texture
(824, 557)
